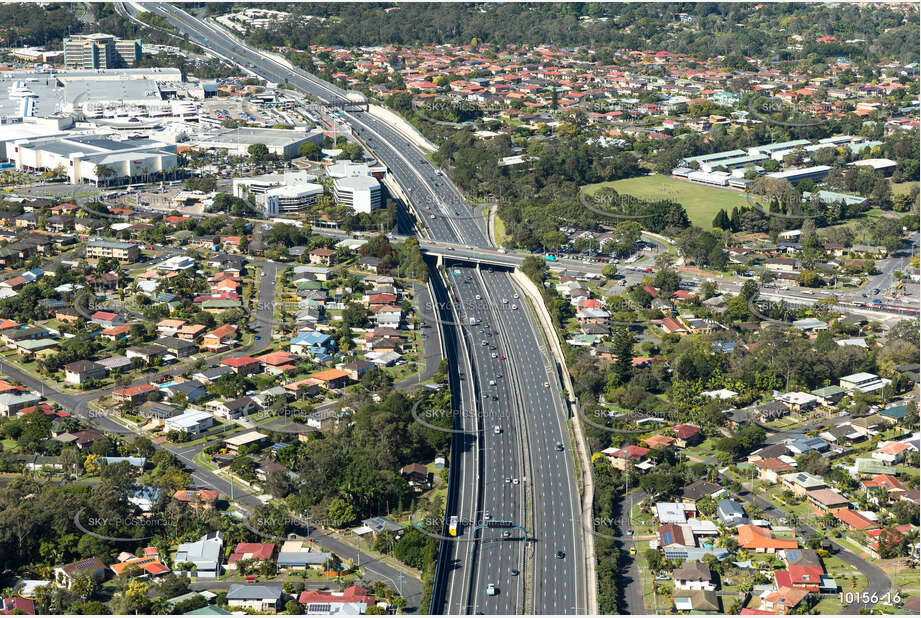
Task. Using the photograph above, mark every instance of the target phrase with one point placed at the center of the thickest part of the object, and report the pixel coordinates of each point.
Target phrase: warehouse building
(281, 142)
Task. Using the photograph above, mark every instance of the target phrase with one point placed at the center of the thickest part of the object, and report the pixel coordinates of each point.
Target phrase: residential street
(877, 581)
(260, 321)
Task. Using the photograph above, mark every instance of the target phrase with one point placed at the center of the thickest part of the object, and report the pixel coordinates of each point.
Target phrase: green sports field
(701, 202)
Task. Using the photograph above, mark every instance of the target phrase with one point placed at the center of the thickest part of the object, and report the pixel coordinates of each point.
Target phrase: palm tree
(103, 171)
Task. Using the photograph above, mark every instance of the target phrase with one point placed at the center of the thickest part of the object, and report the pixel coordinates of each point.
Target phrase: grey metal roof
(254, 592)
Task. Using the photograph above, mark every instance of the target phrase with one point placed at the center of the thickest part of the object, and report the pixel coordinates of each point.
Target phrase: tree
(258, 152)
(667, 281)
(341, 513)
(84, 586)
(310, 151)
(293, 607)
(622, 368)
(721, 220)
(609, 270)
(104, 172)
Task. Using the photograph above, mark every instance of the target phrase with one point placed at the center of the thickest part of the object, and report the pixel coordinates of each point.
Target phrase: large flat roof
(253, 135)
(80, 91)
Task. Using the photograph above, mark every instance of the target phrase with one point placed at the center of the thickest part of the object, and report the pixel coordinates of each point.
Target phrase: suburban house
(771, 468)
(192, 390)
(730, 513)
(296, 555)
(353, 600)
(242, 365)
(826, 499)
(204, 553)
(197, 497)
(257, 552)
(235, 408)
(759, 539)
(853, 520)
(93, 567)
(625, 458)
(417, 475)
(190, 422)
(257, 597)
(147, 566)
(82, 371)
(332, 378)
(693, 575)
(686, 435)
(783, 600)
(220, 339)
(801, 482)
(702, 489)
(697, 601)
(133, 395)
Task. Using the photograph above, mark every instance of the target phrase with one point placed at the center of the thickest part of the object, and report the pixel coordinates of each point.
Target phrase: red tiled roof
(684, 432)
(140, 389)
(239, 361)
(853, 519)
(802, 574)
(256, 551)
(352, 594)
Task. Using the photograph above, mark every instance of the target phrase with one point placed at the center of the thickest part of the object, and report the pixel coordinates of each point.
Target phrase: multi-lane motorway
(528, 410)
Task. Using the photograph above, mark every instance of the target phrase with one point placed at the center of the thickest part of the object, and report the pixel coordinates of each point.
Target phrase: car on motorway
(502, 357)
(546, 384)
(478, 297)
(494, 355)
(491, 590)
(504, 301)
(560, 553)
(559, 446)
(484, 342)
(508, 479)
(515, 572)
(496, 430)
(487, 515)
(515, 295)
(515, 481)
(514, 307)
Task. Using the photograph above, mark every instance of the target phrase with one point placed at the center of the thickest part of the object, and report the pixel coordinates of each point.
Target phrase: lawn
(499, 230)
(899, 188)
(701, 202)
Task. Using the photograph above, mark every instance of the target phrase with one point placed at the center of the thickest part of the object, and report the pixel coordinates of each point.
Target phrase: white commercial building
(279, 193)
(355, 187)
(348, 169)
(291, 198)
(360, 193)
(96, 159)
